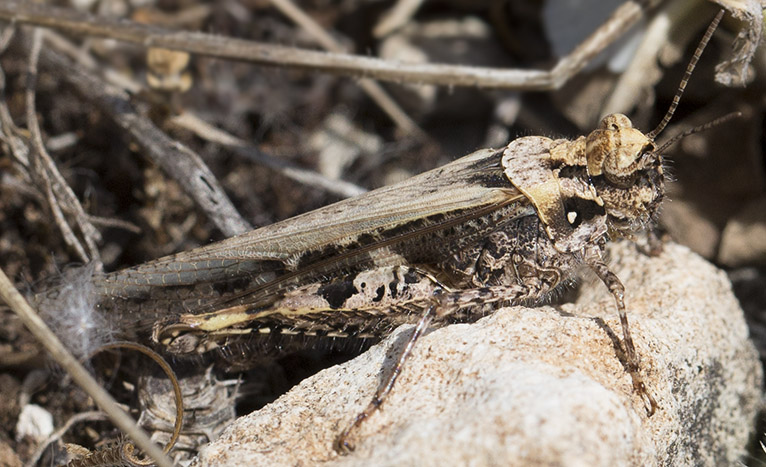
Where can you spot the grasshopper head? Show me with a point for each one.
(626, 169)
(617, 151)
(624, 164)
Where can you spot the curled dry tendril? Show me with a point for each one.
(124, 453)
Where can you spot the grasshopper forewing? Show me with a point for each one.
(384, 228)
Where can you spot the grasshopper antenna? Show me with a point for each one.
(697, 129)
(689, 69)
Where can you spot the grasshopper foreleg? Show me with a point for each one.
(617, 289)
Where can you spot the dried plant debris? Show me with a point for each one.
(737, 71)
(121, 153)
(209, 406)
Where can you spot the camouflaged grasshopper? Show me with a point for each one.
(497, 226)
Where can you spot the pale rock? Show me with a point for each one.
(537, 386)
(683, 220)
(743, 241)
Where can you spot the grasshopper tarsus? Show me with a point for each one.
(654, 245)
(650, 404)
(342, 445)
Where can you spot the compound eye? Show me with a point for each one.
(615, 122)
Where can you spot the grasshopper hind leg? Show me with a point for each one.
(342, 443)
(443, 306)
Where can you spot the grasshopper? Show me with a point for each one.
(497, 226)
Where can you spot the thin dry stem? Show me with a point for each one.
(92, 415)
(6, 35)
(59, 195)
(396, 17)
(345, 64)
(209, 133)
(643, 72)
(374, 90)
(63, 357)
(177, 160)
(310, 178)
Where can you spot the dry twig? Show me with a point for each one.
(374, 90)
(202, 129)
(63, 357)
(396, 17)
(307, 177)
(59, 195)
(345, 64)
(176, 159)
(93, 415)
(644, 72)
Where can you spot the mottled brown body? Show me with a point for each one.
(497, 226)
(523, 221)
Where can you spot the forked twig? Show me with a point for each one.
(59, 195)
(618, 23)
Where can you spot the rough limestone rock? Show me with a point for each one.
(537, 386)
